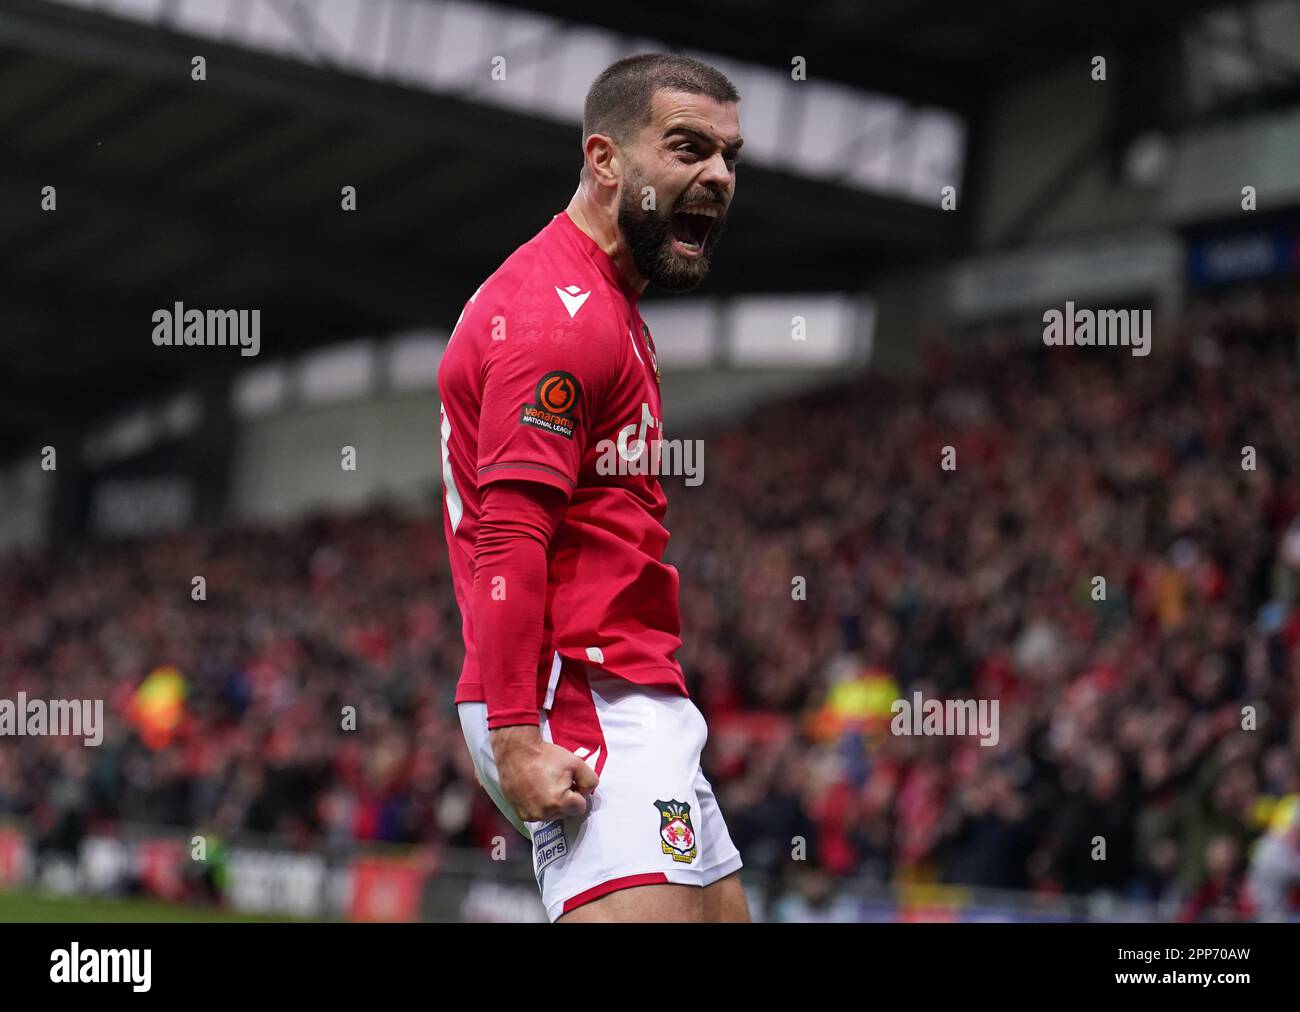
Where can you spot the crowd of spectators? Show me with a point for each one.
(1106, 545)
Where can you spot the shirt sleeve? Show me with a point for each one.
(540, 392)
(509, 596)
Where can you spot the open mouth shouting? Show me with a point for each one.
(673, 244)
(691, 226)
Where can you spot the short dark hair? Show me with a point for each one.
(618, 103)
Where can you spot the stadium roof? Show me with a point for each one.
(950, 52)
(225, 193)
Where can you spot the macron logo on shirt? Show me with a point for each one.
(573, 297)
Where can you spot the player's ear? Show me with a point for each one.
(604, 160)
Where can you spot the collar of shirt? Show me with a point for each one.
(604, 263)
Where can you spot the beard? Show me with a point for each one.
(649, 236)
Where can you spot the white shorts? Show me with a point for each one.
(653, 818)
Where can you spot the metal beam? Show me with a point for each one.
(772, 34)
(363, 275)
(264, 79)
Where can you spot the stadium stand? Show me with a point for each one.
(1115, 708)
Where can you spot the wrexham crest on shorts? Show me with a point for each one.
(676, 834)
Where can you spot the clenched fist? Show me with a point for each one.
(542, 780)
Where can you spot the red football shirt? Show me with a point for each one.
(549, 376)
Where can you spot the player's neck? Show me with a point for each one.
(601, 225)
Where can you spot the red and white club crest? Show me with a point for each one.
(675, 830)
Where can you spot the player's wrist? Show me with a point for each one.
(509, 737)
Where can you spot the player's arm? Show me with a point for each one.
(515, 528)
(542, 386)
(518, 520)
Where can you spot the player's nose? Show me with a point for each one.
(716, 175)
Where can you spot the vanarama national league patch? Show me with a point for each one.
(554, 404)
(676, 834)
